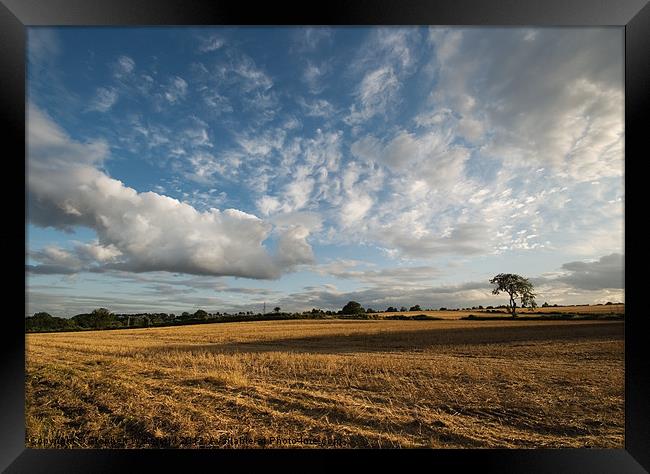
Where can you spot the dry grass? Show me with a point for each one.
(360, 383)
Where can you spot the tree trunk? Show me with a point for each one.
(513, 306)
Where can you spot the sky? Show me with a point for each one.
(173, 169)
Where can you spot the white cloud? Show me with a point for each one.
(97, 252)
(104, 99)
(416, 241)
(150, 231)
(204, 166)
(552, 98)
(219, 103)
(309, 39)
(314, 74)
(294, 174)
(176, 90)
(211, 43)
(261, 144)
(54, 260)
(84, 257)
(377, 91)
(252, 77)
(317, 108)
(431, 155)
(198, 137)
(355, 208)
(385, 60)
(297, 193)
(396, 45)
(123, 66)
(268, 204)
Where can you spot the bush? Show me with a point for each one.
(420, 317)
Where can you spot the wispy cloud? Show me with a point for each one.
(211, 43)
(176, 90)
(123, 66)
(377, 91)
(104, 99)
(309, 39)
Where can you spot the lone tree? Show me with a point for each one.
(276, 309)
(517, 287)
(352, 308)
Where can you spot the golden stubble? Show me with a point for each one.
(439, 384)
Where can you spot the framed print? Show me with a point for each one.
(363, 229)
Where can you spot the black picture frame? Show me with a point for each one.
(633, 15)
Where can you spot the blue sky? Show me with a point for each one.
(171, 169)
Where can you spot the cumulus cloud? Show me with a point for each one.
(150, 231)
(96, 252)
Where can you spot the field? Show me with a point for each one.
(333, 383)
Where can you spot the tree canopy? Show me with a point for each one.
(201, 314)
(352, 308)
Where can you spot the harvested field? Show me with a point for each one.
(333, 383)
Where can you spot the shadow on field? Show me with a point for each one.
(418, 340)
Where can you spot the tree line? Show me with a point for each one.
(102, 318)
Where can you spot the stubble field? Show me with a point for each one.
(310, 383)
